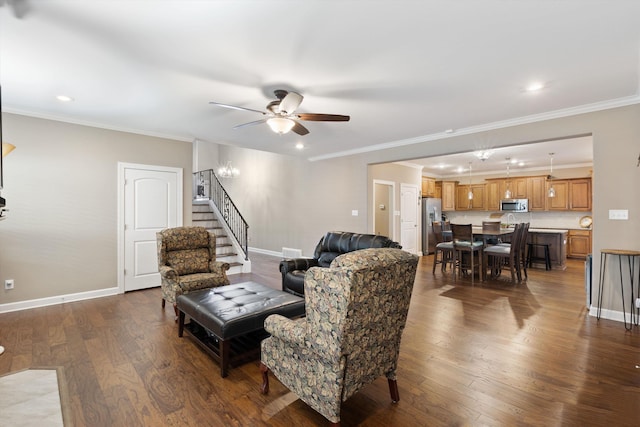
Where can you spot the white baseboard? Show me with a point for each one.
(618, 316)
(59, 299)
(265, 252)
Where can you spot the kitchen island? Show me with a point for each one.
(557, 241)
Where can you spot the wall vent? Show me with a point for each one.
(291, 253)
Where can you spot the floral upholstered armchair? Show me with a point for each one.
(187, 262)
(356, 311)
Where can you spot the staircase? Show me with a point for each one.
(203, 215)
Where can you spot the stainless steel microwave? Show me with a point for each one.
(514, 205)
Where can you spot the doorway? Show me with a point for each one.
(409, 214)
(149, 200)
(383, 208)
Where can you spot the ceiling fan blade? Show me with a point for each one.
(290, 102)
(256, 122)
(234, 107)
(315, 117)
(299, 129)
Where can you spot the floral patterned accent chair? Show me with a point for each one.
(356, 311)
(187, 262)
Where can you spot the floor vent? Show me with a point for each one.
(291, 253)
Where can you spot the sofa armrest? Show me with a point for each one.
(289, 265)
(293, 331)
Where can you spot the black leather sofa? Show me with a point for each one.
(332, 244)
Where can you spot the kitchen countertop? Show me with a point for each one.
(548, 230)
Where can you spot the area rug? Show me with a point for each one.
(34, 397)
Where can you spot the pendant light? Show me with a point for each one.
(552, 191)
(507, 193)
(470, 194)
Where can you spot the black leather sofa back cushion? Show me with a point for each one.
(336, 243)
(332, 245)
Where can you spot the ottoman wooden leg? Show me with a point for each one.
(181, 323)
(225, 350)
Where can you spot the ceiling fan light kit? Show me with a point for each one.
(280, 114)
(280, 125)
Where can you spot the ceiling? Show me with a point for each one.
(405, 71)
(535, 158)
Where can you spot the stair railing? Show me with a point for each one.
(206, 185)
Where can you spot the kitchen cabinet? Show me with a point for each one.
(536, 193)
(494, 189)
(478, 201)
(571, 195)
(448, 195)
(580, 194)
(428, 187)
(518, 187)
(579, 243)
(561, 200)
(438, 190)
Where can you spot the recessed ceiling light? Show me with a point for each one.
(521, 164)
(299, 145)
(64, 98)
(535, 86)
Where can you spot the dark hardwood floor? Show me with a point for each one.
(489, 355)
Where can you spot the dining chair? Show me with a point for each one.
(498, 256)
(443, 248)
(466, 251)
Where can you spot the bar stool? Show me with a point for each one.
(631, 256)
(546, 258)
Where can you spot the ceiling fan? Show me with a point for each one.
(281, 116)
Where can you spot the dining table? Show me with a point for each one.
(489, 233)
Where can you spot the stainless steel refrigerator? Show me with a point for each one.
(431, 211)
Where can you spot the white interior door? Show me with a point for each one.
(152, 201)
(409, 214)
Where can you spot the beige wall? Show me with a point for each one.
(60, 234)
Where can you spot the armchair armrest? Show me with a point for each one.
(289, 265)
(168, 272)
(218, 266)
(292, 331)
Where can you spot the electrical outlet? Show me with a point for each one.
(637, 302)
(8, 284)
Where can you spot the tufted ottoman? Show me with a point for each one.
(228, 321)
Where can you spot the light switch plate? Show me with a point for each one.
(619, 214)
(354, 213)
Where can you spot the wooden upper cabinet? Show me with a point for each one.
(580, 194)
(561, 201)
(495, 189)
(428, 187)
(478, 201)
(438, 190)
(518, 187)
(536, 190)
(449, 195)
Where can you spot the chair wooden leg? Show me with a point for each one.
(175, 310)
(393, 389)
(435, 261)
(163, 302)
(264, 388)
